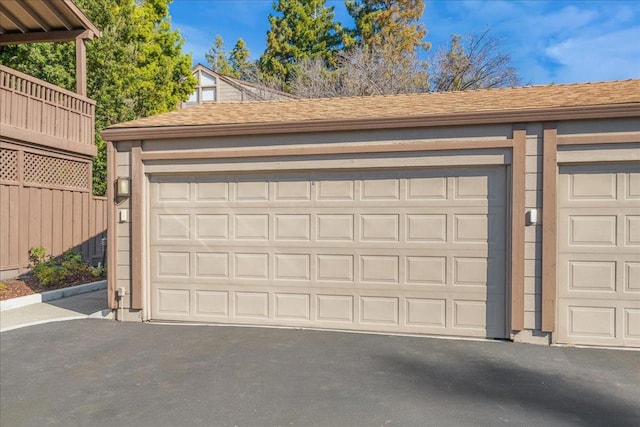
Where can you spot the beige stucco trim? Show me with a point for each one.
(518, 228)
(448, 119)
(630, 153)
(320, 149)
(549, 226)
(279, 164)
(610, 138)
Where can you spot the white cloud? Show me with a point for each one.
(561, 41)
(607, 56)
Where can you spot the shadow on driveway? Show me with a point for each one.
(497, 382)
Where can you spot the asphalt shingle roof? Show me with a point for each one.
(478, 101)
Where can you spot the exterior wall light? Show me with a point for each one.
(123, 189)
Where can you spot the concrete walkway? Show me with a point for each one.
(87, 305)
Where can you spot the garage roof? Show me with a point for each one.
(30, 21)
(521, 104)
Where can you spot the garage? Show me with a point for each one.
(506, 213)
(599, 254)
(401, 250)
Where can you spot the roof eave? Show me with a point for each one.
(432, 120)
(88, 24)
(84, 29)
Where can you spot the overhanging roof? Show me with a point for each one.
(485, 106)
(32, 21)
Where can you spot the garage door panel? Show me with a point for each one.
(380, 189)
(211, 191)
(422, 270)
(632, 230)
(426, 188)
(292, 306)
(481, 186)
(603, 230)
(335, 308)
(592, 186)
(631, 274)
(592, 322)
(591, 230)
(426, 312)
(631, 324)
(419, 251)
(211, 226)
(210, 303)
(212, 265)
(591, 275)
(173, 264)
(251, 304)
(384, 225)
(632, 186)
(598, 254)
(383, 311)
(173, 302)
(292, 227)
(292, 190)
(173, 190)
(173, 227)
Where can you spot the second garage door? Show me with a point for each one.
(406, 251)
(599, 255)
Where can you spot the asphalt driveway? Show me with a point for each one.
(103, 373)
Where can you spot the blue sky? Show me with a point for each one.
(549, 41)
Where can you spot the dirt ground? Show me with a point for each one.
(27, 284)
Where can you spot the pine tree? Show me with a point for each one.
(242, 67)
(303, 29)
(216, 56)
(387, 23)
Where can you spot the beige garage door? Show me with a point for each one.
(599, 255)
(398, 251)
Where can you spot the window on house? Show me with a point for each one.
(208, 85)
(206, 91)
(208, 94)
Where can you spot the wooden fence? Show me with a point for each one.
(34, 105)
(46, 200)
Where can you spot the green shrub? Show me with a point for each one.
(66, 268)
(48, 273)
(37, 255)
(99, 271)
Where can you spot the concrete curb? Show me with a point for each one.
(52, 295)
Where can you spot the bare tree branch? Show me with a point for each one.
(472, 62)
(361, 71)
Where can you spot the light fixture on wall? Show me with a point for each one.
(531, 217)
(123, 188)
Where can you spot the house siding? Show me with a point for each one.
(123, 229)
(533, 242)
(228, 93)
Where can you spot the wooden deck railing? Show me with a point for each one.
(33, 105)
